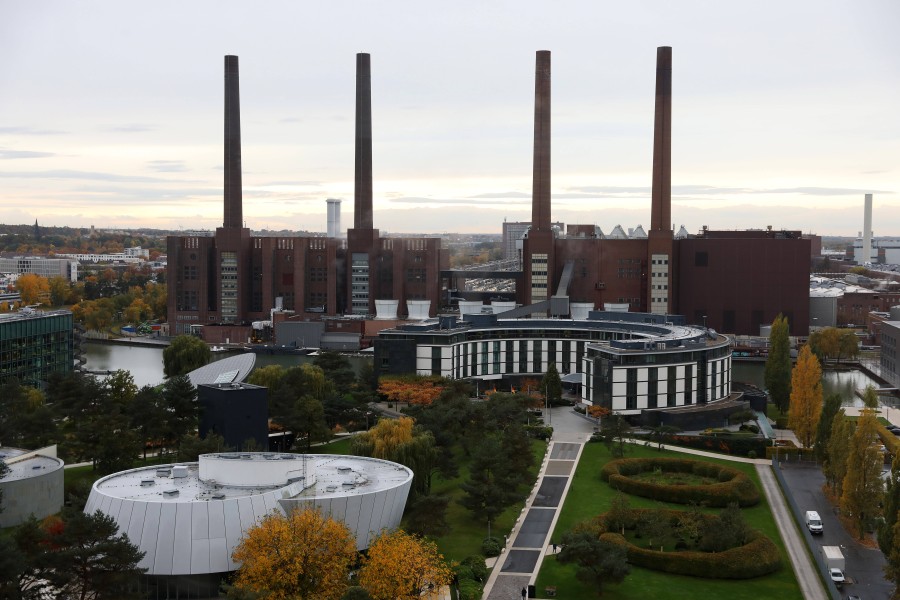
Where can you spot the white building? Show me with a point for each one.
(189, 518)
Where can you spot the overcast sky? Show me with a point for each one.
(784, 113)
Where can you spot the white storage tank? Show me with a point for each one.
(418, 309)
(386, 310)
(581, 310)
(469, 307)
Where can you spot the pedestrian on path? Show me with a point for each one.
(524, 593)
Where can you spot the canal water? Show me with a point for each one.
(844, 383)
(146, 364)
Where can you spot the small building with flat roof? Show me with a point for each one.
(33, 485)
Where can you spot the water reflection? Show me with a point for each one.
(146, 365)
(844, 383)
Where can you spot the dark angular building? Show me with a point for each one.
(236, 411)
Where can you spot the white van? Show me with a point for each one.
(813, 522)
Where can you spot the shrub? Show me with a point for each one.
(751, 454)
(476, 566)
(469, 590)
(724, 442)
(540, 432)
(733, 486)
(758, 557)
(491, 546)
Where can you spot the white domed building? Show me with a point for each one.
(189, 518)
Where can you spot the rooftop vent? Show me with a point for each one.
(331, 488)
(164, 472)
(147, 482)
(343, 469)
(218, 496)
(179, 471)
(170, 494)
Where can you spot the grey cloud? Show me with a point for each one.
(167, 166)
(456, 201)
(502, 195)
(87, 175)
(14, 154)
(30, 131)
(129, 128)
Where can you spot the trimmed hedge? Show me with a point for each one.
(735, 445)
(733, 486)
(756, 558)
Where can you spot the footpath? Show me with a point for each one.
(529, 543)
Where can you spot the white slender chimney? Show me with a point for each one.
(867, 231)
(334, 217)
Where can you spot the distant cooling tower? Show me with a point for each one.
(385, 309)
(418, 309)
(334, 218)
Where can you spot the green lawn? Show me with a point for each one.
(589, 496)
(466, 533)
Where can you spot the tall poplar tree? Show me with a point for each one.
(778, 364)
(835, 466)
(826, 420)
(806, 397)
(863, 487)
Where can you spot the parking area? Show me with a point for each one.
(863, 565)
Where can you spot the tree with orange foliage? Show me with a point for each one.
(33, 288)
(400, 566)
(299, 556)
(806, 396)
(412, 390)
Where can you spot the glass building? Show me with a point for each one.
(35, 344)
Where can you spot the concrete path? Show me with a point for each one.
(529, 541)
(807, 575)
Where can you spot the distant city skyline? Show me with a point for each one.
(783, 115)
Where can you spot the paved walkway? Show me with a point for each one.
(529, 541)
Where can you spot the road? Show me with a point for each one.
(864, 565)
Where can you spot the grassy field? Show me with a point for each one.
(589, 496)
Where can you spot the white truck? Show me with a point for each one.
(833, 557)
(813, 522)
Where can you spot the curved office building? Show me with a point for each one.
(627, 361)
(189, 518)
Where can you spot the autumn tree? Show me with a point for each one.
(299, 556)
(806, 397)
(778, 364)
(59, 288)
(835, 467)
(863, 487)
(398, 440)
(887, 529)
(411, 389)
(400, 566)
(598, 561)
(33, 288)
(185, 354)
(823, 430)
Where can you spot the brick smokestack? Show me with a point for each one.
(540, 202)
(661, 210)
(362, 199)
(233, 200)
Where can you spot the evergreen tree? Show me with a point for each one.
(806, 397)
(184, 354)
(180, 398)
(863, 488)
(490, 489)
(778, 364)
(91, 559)
(552, 385)
(823, 429)
(599, 561)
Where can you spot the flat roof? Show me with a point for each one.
(33, 466)
(335, 476)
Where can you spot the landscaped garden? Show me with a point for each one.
(673, 537)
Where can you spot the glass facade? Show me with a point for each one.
(228, 277)
(34, 346)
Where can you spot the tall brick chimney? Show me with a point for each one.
(540, 202)
(362, 199)
(661, 211)
(233, 200)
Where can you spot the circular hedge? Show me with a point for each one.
(758, 557)
(733, 486)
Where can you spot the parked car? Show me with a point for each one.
(837, 576)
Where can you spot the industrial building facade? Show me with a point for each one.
(731, 281)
